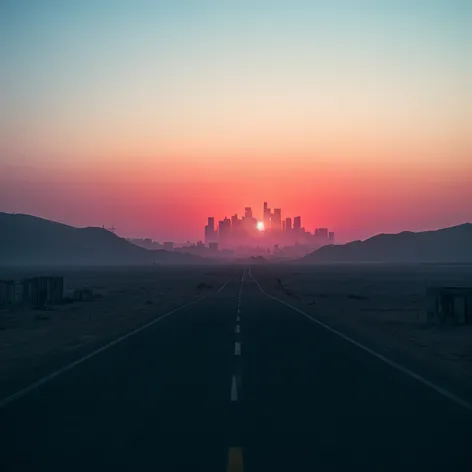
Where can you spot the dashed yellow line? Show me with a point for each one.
(235, 460)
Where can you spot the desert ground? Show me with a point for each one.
(384, 307)
(34, 342)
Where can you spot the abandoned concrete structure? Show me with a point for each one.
(7, 292)
(11, 292)
(452, 305)
(83, 294)
(43, 290)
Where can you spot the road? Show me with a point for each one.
(236, 381)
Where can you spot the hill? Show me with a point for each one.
(447, 245)
(29, 240)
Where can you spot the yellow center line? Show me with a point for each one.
(235, 460)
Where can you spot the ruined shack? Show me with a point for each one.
(41, 291)
(83, 295)
(450, 305)
(7, 292)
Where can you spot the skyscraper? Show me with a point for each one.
(224, 232)
(277, 219)
(248, 212)
(210, 233)
(266, 217)
(236, 229)
(234, 221)
(297, 224)
(288, 224)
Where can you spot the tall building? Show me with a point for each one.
(210, 233)
(288, 224)
(331, 236)
(248, 212)
(277, 219)
(224, 232)
(297, 224)
(236, 229)
(266, 216)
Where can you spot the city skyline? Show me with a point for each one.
(270, 231)
(246, 235)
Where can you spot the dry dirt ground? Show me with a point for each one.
(34, 342)
(383, 307)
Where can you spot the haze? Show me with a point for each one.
(152, 116)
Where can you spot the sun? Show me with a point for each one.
(260, 226)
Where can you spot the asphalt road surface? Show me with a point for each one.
(236, 381)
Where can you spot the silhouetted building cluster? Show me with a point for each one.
(146, 243)
(272, 234)
(248, 236)
(37, 291)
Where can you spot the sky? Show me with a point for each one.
(153, 115)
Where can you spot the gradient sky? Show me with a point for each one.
(151, 116)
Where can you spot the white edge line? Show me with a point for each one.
(234, 390)
(391, 363)
(21, 393)
(224, 285)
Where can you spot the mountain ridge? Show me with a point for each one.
(31, 240)
(451, 244)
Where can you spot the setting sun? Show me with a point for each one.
(260, 225)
